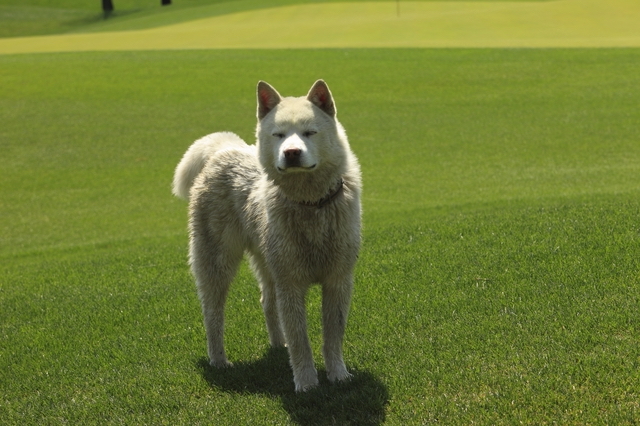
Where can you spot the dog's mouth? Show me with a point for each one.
(294, 169)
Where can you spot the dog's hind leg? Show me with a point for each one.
(214, 267)
(336, 297)
(268, 301)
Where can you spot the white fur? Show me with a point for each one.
(262, 200)
(195, 158)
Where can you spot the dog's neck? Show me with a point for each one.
(327, 198)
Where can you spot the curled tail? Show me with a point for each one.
(197, 156)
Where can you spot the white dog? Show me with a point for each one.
(292, 203)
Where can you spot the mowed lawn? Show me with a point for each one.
(498, 281)
(331, 24)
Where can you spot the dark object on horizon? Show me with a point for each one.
(166, 2)
(107, 6)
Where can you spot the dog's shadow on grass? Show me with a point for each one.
(358, 401)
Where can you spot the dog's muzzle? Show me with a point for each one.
(292, 160)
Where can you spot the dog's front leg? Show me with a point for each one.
(336, 298)
(293, 317)
(268, 300)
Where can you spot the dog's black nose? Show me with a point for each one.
(292, 153)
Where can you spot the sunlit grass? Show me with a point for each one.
(499, 274)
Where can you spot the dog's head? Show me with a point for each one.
(298, 135)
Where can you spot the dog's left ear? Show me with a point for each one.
(320, 96)
(268, 98)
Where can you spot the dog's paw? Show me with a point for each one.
(308, 387)
(339, 375)
(221, 363)
(306, 381)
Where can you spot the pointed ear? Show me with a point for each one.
(320, 96)
(268, 98)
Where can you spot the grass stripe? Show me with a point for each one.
(563, 23)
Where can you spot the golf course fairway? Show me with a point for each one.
(562, 23)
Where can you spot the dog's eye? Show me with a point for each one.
(309, 133)
(278, 135)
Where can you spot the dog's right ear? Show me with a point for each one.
(268, 98)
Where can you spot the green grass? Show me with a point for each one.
(498, 281)
(38, 17)
(381, 24)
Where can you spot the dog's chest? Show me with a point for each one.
(312, 243)
(315, 233)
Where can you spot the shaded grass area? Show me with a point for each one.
(41, 17)
(30, 20)
(498, 281)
